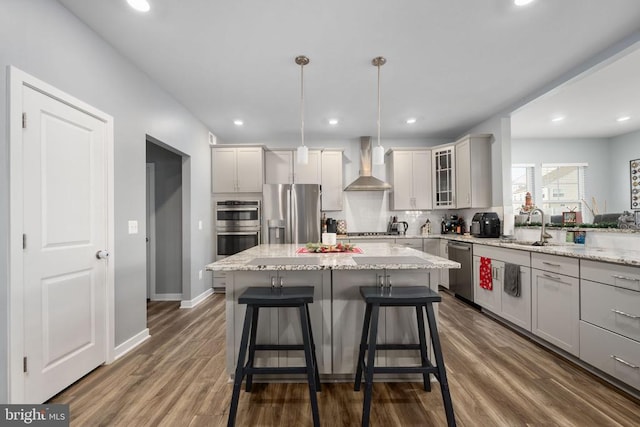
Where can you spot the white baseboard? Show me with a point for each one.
(197, 300)
(131, 343)
(166, 297)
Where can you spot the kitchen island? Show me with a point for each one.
(338, 310)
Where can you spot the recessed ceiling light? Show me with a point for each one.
(623, 118)
(139, 5)
(522, 2)
(411, 120)
(558, 119)
(333, 122)
(238, 122)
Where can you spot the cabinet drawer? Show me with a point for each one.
(612, 308)
(410, 243)
(611, 353)
(512, 256)
(624, 276)
(557, 264)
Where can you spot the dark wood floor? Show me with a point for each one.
(497, 378)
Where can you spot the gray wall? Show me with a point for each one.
(594, 151)
(168, 213)
(622, 149)
(43, 39)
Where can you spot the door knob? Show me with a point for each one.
(102, 254)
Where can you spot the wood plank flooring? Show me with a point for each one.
(497, 378)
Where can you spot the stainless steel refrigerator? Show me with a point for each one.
(290, 213)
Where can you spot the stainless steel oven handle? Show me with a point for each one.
(238, 233)
(247, 208)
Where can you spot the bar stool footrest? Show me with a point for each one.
(275, 370)
(393, 346)
(283, 347)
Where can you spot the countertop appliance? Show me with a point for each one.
(332, 225)
(237, 226)
(461, 280)
(291, 213)
(485, 224)
(449, 225)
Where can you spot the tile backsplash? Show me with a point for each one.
(369, 211)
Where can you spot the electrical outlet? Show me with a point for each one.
(200, 225)
(133, 227)
(200, 274)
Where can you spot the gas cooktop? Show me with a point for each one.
(372, 233)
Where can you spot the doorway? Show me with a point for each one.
(164, 222)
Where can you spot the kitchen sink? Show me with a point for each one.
(365, 260)
(285, 261)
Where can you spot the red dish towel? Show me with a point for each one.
(485, 273)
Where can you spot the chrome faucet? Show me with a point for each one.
(543, 234)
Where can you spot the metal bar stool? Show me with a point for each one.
(256, 298)
(410, 296)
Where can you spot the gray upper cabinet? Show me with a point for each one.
(281, 168)
(473, 172)
(410, 176)
(236, 169)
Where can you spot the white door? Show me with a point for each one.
(65, 224)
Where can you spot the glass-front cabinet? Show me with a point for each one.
(444, 177)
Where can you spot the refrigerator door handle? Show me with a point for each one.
(289, 218)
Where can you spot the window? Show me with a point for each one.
(562, 187)
(521, 184)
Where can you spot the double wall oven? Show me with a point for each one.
(237, 226)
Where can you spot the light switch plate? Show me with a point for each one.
(200, 225)
(133, 227)
(200, 274)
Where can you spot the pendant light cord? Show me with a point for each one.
(302, 103)
(379, 104)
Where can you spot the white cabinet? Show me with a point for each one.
(236, 169)
(555, 307)
(281, 168)
(610, 319)
(515, 309)
(331, 180)
(473, 172)
(444, 177)
(309, 173)
(396, 324)
(282, 325)
(278, 167)
(444, 253)
(410, 176)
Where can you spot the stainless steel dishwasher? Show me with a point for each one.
(461, 280)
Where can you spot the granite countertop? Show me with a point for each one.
(625, 256)
(618, 255)
(285, 257)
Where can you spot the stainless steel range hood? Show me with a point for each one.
(366, 182)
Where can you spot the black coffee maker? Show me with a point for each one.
(332, 225)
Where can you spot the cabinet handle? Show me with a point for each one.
(624, 362)
(551, 264)
(281, 282)
(622, 313)
(631, 279)
(273, 282)
(557, 279)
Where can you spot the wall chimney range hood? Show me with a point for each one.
(366, 182)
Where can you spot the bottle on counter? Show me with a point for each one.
(443, 226)
(323, 223)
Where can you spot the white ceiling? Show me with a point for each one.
(451, 64)
(589, 104)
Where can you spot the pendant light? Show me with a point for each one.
(303, 152)
(378, 151)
